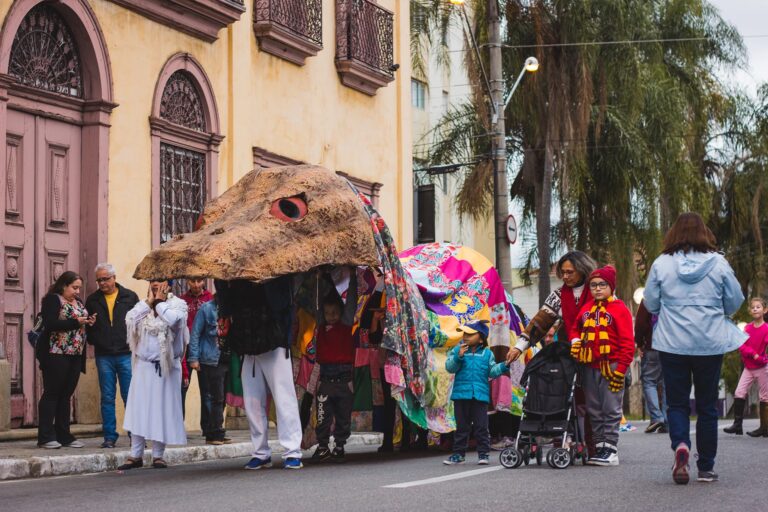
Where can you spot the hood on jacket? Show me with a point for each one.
(693, 266)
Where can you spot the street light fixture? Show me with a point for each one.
(531, 65)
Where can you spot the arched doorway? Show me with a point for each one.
(55, 101)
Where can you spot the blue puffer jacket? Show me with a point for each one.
(203, 340)
(473, 370)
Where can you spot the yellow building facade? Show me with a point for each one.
(146, 108)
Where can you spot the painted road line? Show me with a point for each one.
(445, 478)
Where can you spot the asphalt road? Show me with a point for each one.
(641, 483)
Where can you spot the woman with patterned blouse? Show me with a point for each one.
(61, 352)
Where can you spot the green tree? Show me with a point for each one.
(618, 135)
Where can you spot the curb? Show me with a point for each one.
(38, 467)
(25, 434)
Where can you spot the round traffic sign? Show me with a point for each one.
(511, 229)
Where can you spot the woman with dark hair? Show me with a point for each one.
(563, 303)
(693, 289)
(61, 352)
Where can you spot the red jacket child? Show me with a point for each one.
(604, 329)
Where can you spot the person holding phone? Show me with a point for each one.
(61, 352)
(157, 335)
(110, 304)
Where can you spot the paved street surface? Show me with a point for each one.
(641, 483)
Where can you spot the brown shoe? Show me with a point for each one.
(159, 463)
(215, 442)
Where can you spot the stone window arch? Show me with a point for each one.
(185, 144)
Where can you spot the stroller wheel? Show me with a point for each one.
(559, 458)
(527, 455)
(539, 456)
(511, 458)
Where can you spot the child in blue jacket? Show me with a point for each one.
(473, 363)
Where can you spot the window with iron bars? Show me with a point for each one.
(182, 194)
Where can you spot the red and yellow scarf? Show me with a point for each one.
(596, 328)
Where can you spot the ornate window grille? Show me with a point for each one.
(302, 17)
(44, 54)
(182, 190)
(181, 103)
(364, 44)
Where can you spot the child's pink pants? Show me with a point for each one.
(748, 377)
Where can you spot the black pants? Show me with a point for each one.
(504, 424)
(471, 417)
(334, 402)
(204, 406)
(213, 380)
(60, 376)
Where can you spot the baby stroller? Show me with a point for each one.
(548, 411)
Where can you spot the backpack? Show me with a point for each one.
(34, 334)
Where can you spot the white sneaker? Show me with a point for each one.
(50, 445)
(74, 444)
(608, 455)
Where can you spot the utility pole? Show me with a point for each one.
(499, 148)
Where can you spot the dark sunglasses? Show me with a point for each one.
(104, 279)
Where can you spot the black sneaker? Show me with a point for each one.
(654, 427)
(338, 454)
(663, 429)
(108, 443)
(599, 458)
(707, 476)
(322, 453)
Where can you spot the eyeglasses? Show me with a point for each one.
(104, 279)
(601, 284)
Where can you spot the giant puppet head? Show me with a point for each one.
(290, 220)
(272, 222)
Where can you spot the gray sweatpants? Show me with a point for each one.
(604, 407)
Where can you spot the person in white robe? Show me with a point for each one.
(157, 336)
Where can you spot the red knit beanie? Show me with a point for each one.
(608, 273)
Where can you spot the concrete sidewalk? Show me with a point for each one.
(23, 459)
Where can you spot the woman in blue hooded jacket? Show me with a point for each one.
(693, 290)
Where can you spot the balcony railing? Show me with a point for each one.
(364, 45)
(290, 29)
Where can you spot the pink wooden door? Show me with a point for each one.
(41, 236)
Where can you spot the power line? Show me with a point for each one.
(609, 43)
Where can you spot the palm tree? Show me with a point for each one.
(617, 135)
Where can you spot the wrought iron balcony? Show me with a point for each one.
(290, 29)
(364, 45)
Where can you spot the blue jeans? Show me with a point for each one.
(650, 368)
(111, 369)
(705, 370)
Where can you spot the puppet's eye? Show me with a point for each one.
(289, 209)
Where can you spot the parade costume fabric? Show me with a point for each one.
(246, 238)
(157, 343)
(460, 286)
